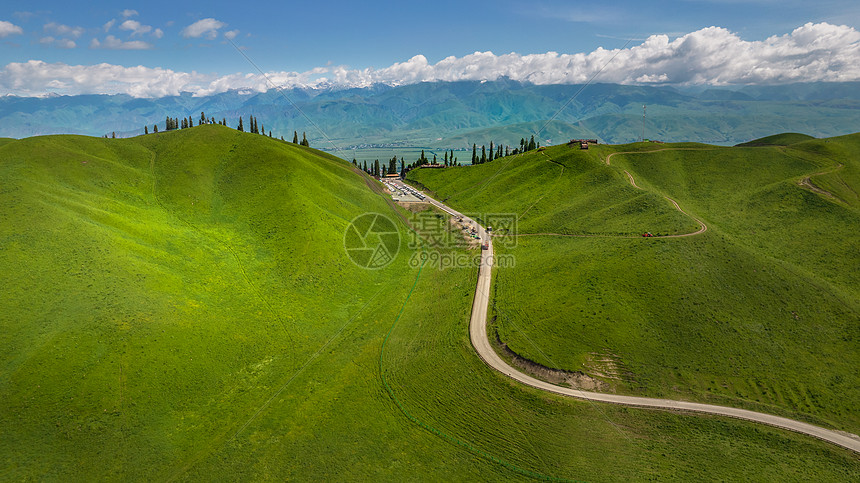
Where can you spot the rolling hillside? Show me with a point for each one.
(180, 306)
(760, 311)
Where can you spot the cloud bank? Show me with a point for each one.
(710, 56)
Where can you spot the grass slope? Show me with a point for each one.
(179, 306)
(783, 139)
(559, 190)
(756, 312)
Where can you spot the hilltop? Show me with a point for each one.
(783, 139)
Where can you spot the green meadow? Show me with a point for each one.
(180, 306)
(760, 311)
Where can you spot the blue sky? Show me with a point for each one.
(299, 36)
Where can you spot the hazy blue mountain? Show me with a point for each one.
(457, 114)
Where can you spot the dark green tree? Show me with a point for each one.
(113, 135)
(240, 128)
(474, 154)
(305, 140)
(296, 140)
(146, 129)
(532, 143)
(491, 152)
(392, 165)
(365, 166)
(483, 155)
(155, 128)
(202, 118)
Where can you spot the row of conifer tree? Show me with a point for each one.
(172, 123)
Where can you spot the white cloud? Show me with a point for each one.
(8, 28)
(717, 56)
(135, 27)
(109, 24)
(37, 77)
(61, 43)
(231, 34)
(714, 56)
(208, 28)
(128, 13)
(63, 30)
(111, 42)
(158, 33)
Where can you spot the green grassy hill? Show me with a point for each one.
(162, 287)
(179, 306)
(783, 139)
(760, 311)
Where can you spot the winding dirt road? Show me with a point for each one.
(482, 345)
(808, 184)
(702, 226)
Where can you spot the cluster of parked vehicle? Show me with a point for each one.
(403, 189)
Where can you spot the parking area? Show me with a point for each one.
(403, 193)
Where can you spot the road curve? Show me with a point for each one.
(481, 343)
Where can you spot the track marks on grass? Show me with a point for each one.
(807, 183)
(560, 174)
(221, 242)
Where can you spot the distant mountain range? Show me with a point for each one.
(457, 114)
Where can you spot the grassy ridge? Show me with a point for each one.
(753, 313)
(172, 306)
(783, 139)
(559, 190)
(180, 306)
